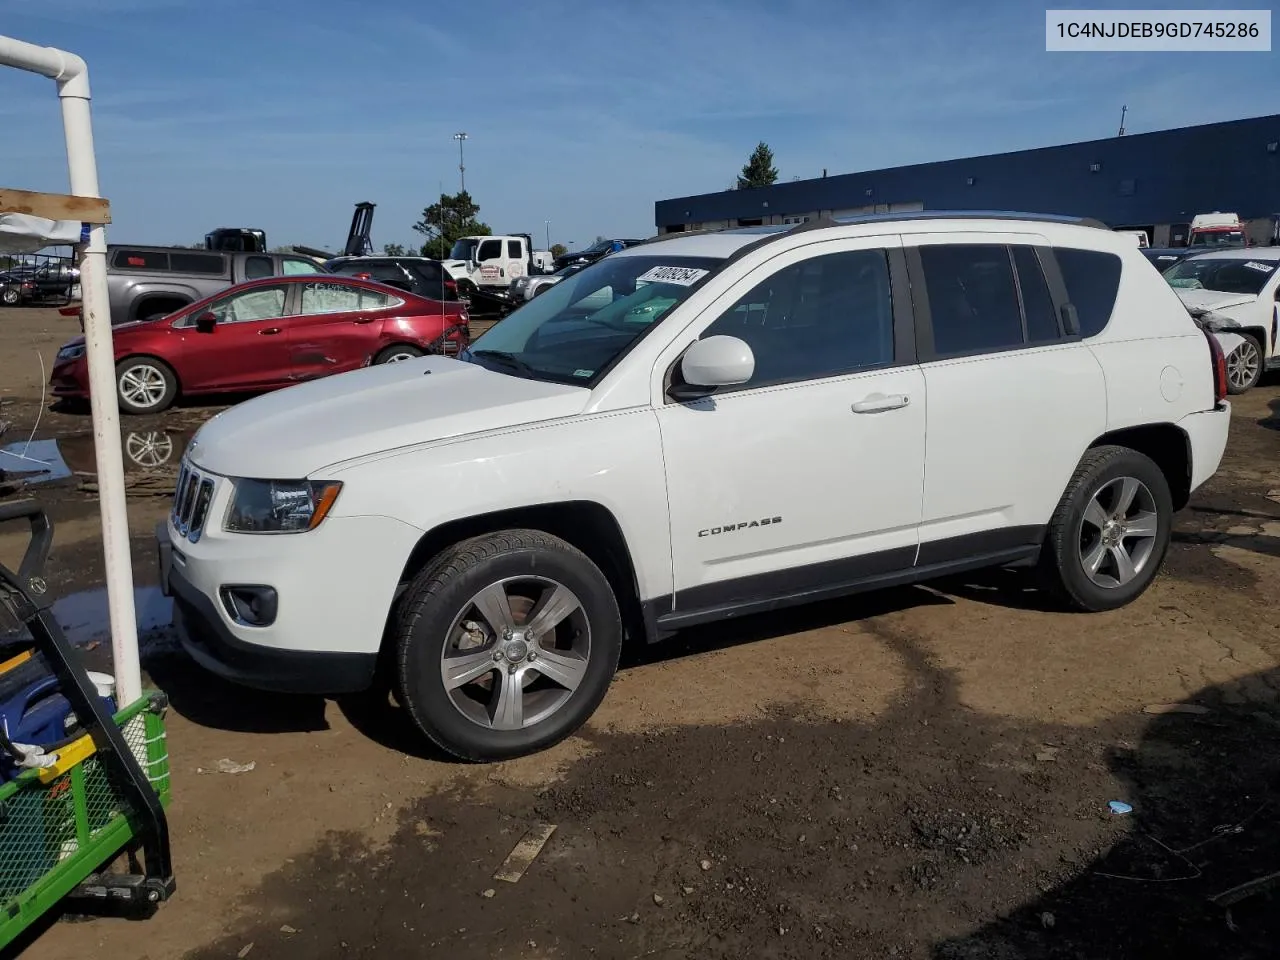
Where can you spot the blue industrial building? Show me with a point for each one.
(1153, 181)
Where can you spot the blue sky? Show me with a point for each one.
(282, 114)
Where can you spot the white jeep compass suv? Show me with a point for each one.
(697, 427)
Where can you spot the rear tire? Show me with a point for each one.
(145, 385)
(1244, 365)
(10, 297)
(1108, 536)
(527, 629)
(397, 353)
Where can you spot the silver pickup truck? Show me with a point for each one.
(148, 282)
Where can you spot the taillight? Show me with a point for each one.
(451, 286)
(1219, 361)
(69, 311)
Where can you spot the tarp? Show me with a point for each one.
(23, 233)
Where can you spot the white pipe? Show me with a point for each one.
(72, 76)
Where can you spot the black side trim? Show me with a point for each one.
(904, 321)
(986, 543)
(837, 578)
(204, 636)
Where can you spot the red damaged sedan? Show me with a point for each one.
(266, 334)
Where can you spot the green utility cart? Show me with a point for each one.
(63, 825)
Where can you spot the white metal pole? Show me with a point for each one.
(72, 76)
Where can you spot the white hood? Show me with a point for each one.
(1213, 299)
(292, 433)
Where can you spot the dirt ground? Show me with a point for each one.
(922, 773)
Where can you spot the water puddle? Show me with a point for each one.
(145, 452)
(83, 616)
(35, 461)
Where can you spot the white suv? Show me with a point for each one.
(697, 427)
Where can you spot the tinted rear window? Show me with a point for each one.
(1092, 280)
(209, 263)
(140, 260)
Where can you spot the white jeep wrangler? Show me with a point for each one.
(697, 427)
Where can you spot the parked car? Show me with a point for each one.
(591, 254)
(420, 275)
(1243, 286)
(37, 283)
(144, 283)
(1162, 258)
(620, 458)
(265, 334)
(526, 288)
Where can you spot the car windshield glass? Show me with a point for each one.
(576, 330)
(464, 249)
(1219, 238)
(1225, 275)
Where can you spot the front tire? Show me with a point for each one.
(10, 297)
(505, 644)
(1244, 365)
(145, 385)
(1109, 534)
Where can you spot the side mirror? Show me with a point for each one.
(714, 362)
(205, 322)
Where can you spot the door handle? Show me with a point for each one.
(269, 332)
(363, 320)
(878, 403)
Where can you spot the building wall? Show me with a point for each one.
(1149, 180)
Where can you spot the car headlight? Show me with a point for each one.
(71, 352)
(280, 506)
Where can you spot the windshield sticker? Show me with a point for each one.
(583, 373)
(680, 276)
(1264, 267)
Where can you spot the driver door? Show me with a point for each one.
(247, 347)
(809, 477)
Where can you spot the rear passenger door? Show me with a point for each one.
(337, 327)
(1014, 398)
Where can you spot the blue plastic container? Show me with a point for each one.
(33, 711)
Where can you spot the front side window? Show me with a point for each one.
(489, 250)
(1243, 275)
(260, 303)
(576, 330)
(972, 298)
(822, 317)
(255, 268)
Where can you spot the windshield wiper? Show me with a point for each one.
(508, 360)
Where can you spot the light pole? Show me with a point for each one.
(547, 224)
(462, 169)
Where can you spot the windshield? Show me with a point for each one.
(1233, 275)
(575, 331)
(464, 249)
(1218, 238)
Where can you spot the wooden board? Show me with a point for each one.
(55, 206)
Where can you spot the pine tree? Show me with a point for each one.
(759, 170)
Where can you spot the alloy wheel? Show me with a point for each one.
(516, 652)
(1243, 365)
(143, 385)
(1118, 532)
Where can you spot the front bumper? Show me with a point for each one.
(329, 604)
(70, 378)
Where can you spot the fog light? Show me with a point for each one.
(251, 606)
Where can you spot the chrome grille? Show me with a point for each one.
(200, 512)
(191, 500)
